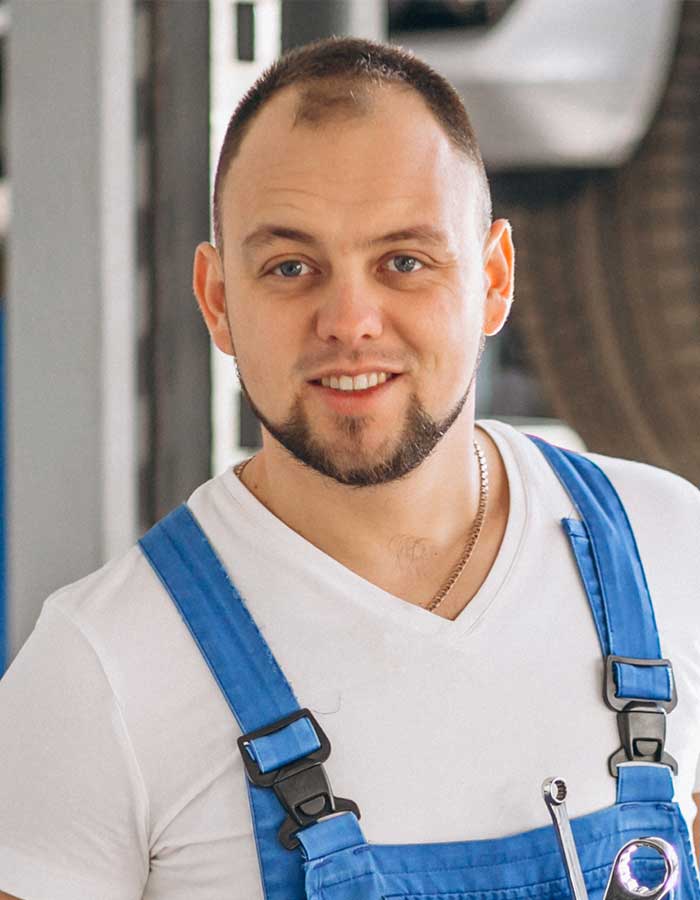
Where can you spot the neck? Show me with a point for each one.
(403, 536)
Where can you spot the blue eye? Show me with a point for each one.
(405, 264)
(291, 268)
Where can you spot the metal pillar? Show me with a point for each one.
(72, 499)
(175, 361)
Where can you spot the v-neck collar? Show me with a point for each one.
(300, 552)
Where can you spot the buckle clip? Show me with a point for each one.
(301, 786)
(641, 722)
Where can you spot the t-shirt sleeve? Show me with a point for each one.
(73, 808)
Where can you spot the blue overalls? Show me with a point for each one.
(310, 844)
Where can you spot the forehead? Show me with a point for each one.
(367, 162)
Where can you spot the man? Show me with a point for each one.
(405, 565)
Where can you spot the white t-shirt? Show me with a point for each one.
(119, 772)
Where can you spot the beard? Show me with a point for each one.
(419, 436)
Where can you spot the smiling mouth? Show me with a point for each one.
(347, 384)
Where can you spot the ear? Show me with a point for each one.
(499, 258)
(208, 285)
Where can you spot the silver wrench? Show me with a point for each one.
(624, 886)
(554, 791)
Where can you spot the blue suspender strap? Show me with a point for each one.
(638, 684)
(280, 741)
(241, 662)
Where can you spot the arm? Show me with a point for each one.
(696, 829)
(66, 779)
(7, 896)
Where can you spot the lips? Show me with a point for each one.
(353, 398)
(356, 382)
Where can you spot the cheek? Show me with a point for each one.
(457, 315)
(456, 333)
(267, 350)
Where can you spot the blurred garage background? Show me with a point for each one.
(588, 114)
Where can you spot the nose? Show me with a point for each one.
(349, 312)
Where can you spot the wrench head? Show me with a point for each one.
(624, 886)
(554, 791)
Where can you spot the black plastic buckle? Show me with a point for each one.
(302, 786)
(640, 721)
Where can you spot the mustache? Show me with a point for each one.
(355, 359)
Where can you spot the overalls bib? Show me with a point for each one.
(310, 844)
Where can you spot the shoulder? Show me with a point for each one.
(106, 604)
(133, 629)
(132, 638)
(125, 598)
(664, 512)
(651, 492)
(644, 489)
(116, 625)
(662, 507)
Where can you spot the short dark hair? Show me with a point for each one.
(343, 63)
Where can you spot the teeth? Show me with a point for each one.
(358, 383)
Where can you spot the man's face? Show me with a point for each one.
(352, 248)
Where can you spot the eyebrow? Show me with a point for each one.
(267, 234)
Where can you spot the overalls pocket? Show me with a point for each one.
(527, 866)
